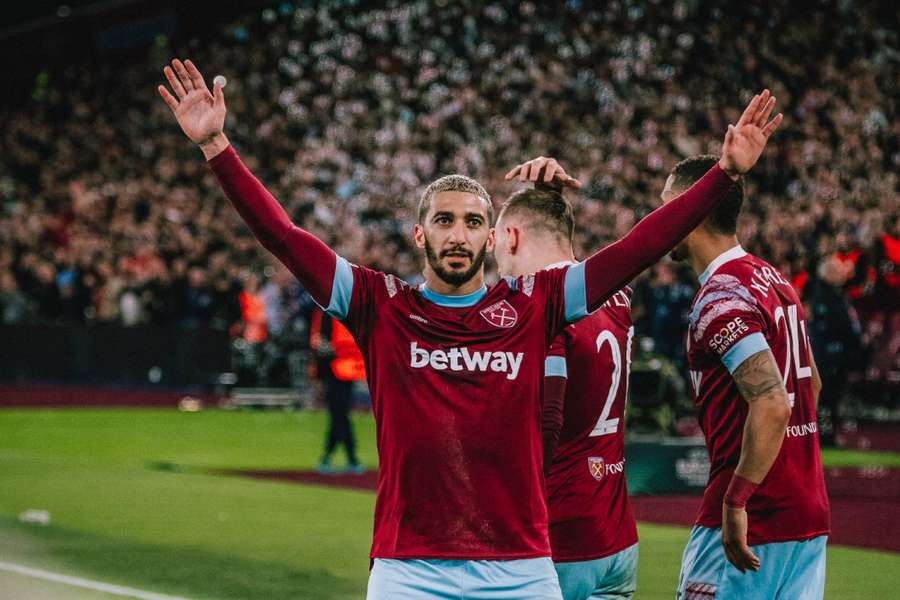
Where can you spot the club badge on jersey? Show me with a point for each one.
(597, 467)
(500, 314)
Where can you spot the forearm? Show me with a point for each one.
(310, 260)
(764, 433)
(816, 379)
(612, 267)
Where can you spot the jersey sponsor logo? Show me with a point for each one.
(720, 295)
(463, 359)
(802, 430)
(500, 314)
(599, 469)
(418, 318)
(727, 335)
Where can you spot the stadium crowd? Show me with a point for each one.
(346, 112)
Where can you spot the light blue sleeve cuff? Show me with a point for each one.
(341, 290)
(575, 294)
(555, 366)
(744, 349)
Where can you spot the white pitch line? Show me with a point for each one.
(117, 590)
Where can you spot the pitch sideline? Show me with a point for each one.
(99, 586)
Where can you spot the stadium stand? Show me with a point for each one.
(347, 112)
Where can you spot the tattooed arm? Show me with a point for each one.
(760, 383)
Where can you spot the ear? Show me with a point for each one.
(512, 234)
(491, 239)
(419, 235)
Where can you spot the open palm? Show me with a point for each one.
(745, 141)
(200, 114)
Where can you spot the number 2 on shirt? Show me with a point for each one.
(605, 425)
(793, 329)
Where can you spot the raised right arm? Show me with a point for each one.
(313, 263)
(201, 114)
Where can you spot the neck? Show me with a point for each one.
(438, 285)
(532, 262)
(708, 248)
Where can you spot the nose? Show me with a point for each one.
(457, 234)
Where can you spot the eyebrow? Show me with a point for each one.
(468, 215)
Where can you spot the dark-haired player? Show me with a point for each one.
(455, 368)
(593, 535)
(764, 520)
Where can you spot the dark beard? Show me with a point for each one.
(678, 253)
(454, 278)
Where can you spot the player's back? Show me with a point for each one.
(589, 511)
(744, 304)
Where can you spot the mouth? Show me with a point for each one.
(457, 255)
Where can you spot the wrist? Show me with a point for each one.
(739, 491)
(729, 170)
(214, 145)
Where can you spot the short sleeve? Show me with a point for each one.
(726, 322)
(555, 362)
(357, 293)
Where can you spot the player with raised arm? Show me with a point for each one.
(454, 367)
(763, 524)
(593, 535)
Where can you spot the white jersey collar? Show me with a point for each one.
(561, 264)
(727, 256)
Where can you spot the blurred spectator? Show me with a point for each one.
(835, 338)
(664, 302)
(13, 303)
(253, 311)
(339, 364)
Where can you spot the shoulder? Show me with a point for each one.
(534, 284)
(724, 295)
(618, 308)
(377, 284)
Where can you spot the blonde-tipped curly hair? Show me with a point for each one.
(454, 183)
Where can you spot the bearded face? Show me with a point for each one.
(456, 236)
(455, 265)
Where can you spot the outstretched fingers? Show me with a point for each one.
(196, 77)
(773, 125)
(183, 75)
(173, 80)
(764, 112)
(749, 112)
(169, 98)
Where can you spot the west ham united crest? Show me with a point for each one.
(500, 314)
(597, 467)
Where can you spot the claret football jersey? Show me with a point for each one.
(589, 511)
(745, 305)
(456, 389)
(456, 381)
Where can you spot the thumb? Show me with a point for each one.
(729, 135)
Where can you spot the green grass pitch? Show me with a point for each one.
(117, 520)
